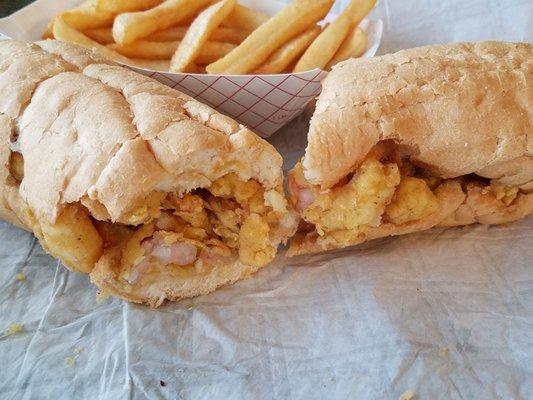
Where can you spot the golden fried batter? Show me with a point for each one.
(413, 200)
(506, 194)
(230, 216)
(72, 238)
(361, 201)
(254, 244)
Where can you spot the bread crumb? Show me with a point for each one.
(407, 395)
(13, 329)
(70, 361)
(100, 297)
(20, 277)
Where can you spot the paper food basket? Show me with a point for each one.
(264, 103)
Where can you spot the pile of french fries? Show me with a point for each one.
(215, 36)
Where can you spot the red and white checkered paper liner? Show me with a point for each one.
(262, 102)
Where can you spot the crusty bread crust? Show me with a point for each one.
(9, 197)
(99, 131)
(76, 55)
(106, 138)
(457, 109)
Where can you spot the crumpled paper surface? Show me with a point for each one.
(447, 314)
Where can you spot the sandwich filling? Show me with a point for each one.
(203, 229)
(170, 235)
(386, 189)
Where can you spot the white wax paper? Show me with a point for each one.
(447, 314)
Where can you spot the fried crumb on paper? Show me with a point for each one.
(71, 361)
(407, 395)
(101, 297)
(13, 329)
(20, 277)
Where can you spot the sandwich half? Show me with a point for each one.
(154, 194)
(431, 136)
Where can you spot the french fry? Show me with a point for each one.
(101, 35)
(87, 16)
(156, 65)
(144, 49)
(229, 35)
(245, 18)
(66, 33)
(169, 34)
(129, 27)
(121, 6)
(357, 10)
(105, 35)
(325, 45)
(221, 34)
(63, 31)
(193, 68)
(289, 68)
(288, 53)
(199, 33)
(48, 33)
(352, 47)
(292, 20)
(323, 49)
(188, 21)
(213, 51)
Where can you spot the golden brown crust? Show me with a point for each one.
(459, 109)
(515, 172)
